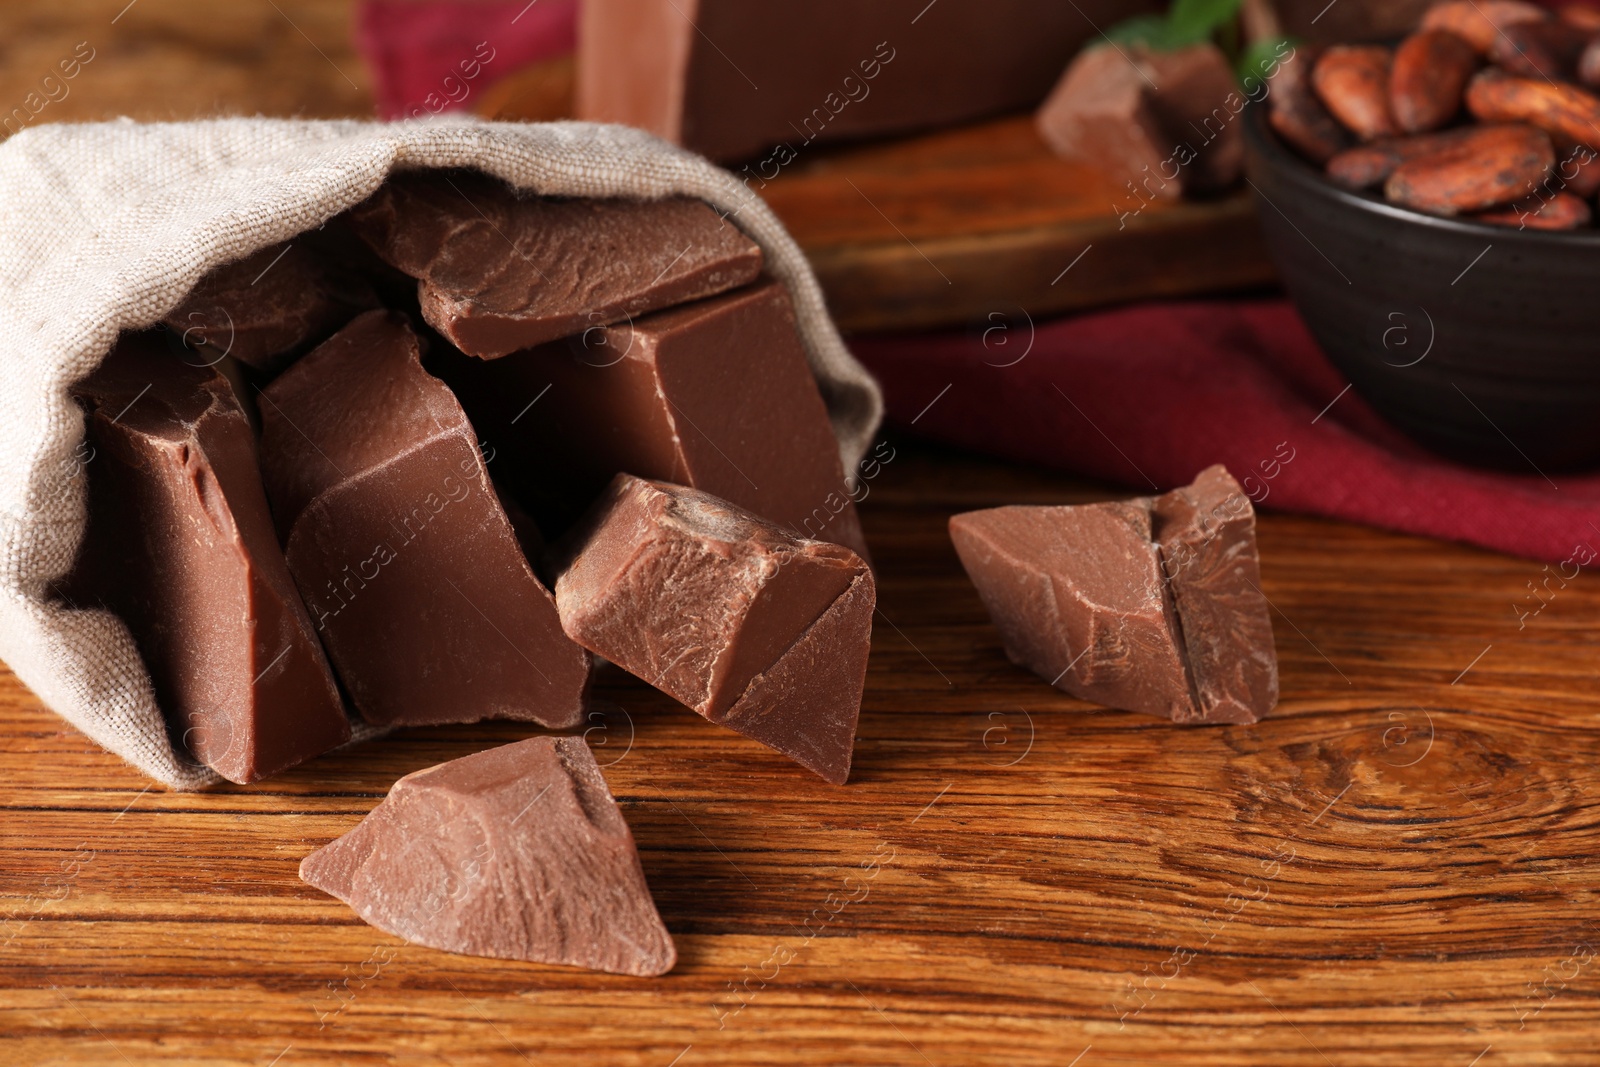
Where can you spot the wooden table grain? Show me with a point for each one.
(1397, 867)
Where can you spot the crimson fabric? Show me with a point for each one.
(1148, 396)
(415, 49)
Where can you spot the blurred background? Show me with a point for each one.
(958, 177)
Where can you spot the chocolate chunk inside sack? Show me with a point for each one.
(266, 308)
(715, 395)
(752, 627)
(181, 547)
(1150, 605)
(414, 576)
(516, 853)
(498, 272)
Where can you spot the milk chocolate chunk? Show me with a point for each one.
(180, 546)
(498, 272)
(753, 628)
(516, 853)
(263, 309)
(411, 570)
(1148, 605)
(1079, 598)
(1161, 120)
(716, 395)
(1207, 536)
(729, 78)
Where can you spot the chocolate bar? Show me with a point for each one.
(498, 272)
(1165, 121)
(1151, 605)
(180, 546)
(753, 628)
(516, 853)
(267, 307)
(412, 572)
(716, 395)
(729, 78)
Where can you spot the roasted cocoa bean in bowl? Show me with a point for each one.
(1479, 341)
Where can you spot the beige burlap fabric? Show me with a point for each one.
(106, 227)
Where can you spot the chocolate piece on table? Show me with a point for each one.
(1147, 605)
(753, 628)
(1207, 536)
(826, 69)
(716, 395)
(409, 566)
(498, 272)
(1161, 120)
(263, 309)
(519, 853)
(180, 546)
(1080, 599)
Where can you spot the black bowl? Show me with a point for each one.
(1479, 342)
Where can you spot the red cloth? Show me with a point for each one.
(1147, 396)
(416, 50)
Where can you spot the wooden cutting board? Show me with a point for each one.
(953, 227)
(950, 228)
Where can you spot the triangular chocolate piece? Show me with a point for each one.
(807, 703)
(519, 853)
(749, 625)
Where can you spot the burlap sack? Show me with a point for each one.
(106, 227)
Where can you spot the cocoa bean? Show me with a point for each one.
(1540, 49)
(1430, 72)
(1493, 166)
(1352, 81)
(1367, 166)
(1570, 115)
(1479, 22)
(1589, 65)
(1578, 172)
(1582, 16)
(1561, 211)
(1295, 113)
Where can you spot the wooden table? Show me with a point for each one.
(1397, 867)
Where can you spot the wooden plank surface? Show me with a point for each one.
(1397, 867)
(946, 228)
